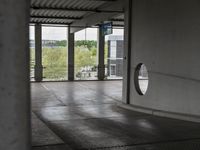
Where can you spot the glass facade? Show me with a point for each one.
(86, 54)
(54, 53)
(32, 52)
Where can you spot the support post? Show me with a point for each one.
(15, 118)
(70, 55)
(101, 45)
(127, 52)
(38, 53)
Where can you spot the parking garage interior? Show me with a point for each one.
(99, 74)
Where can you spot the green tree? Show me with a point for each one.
(87, 43)
(84, 57)
(55, 62)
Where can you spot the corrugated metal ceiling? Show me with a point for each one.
(79, 4)
(65, 11)
(57, 13)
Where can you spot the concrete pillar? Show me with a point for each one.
(70, 55)
(38, 53)
(127, 52)
(101, 44)
(14, 75)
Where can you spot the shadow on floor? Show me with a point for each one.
(83, 115)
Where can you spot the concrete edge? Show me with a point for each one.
(160, 113)
(43, 81)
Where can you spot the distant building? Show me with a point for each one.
(115, 55)
(32, 43)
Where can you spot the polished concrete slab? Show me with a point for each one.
(42, 135)
(84, 115)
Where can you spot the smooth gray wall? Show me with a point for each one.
(166, 38)
(15, 130)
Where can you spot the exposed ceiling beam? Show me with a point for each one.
(103, 0)
(76, 9)
(48, 22)
(118, 20)
(61, 24)
(114, 25)
(118, 25)
(55, 17)
(67, 18)
(97, 18)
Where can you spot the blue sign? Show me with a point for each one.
(107, 28)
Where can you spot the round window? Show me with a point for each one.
(141, 79)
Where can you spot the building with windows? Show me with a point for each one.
(115, 55)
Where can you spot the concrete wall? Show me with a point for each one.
(15, 130)
(166, 38)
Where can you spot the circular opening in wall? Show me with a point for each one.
(141, 79)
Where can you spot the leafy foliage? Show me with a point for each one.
(84, 57)
(54, 59)
(55, 63)
(62, 43)
(87, 43)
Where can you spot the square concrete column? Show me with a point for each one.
(101, 45)
(70, 55)
(127, 51)
(38, 53)
(15, 129)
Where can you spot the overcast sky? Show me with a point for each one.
(60, 33)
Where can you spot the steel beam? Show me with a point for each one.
(96, 18)
(117, 20)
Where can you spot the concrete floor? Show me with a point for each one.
(84, 115)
